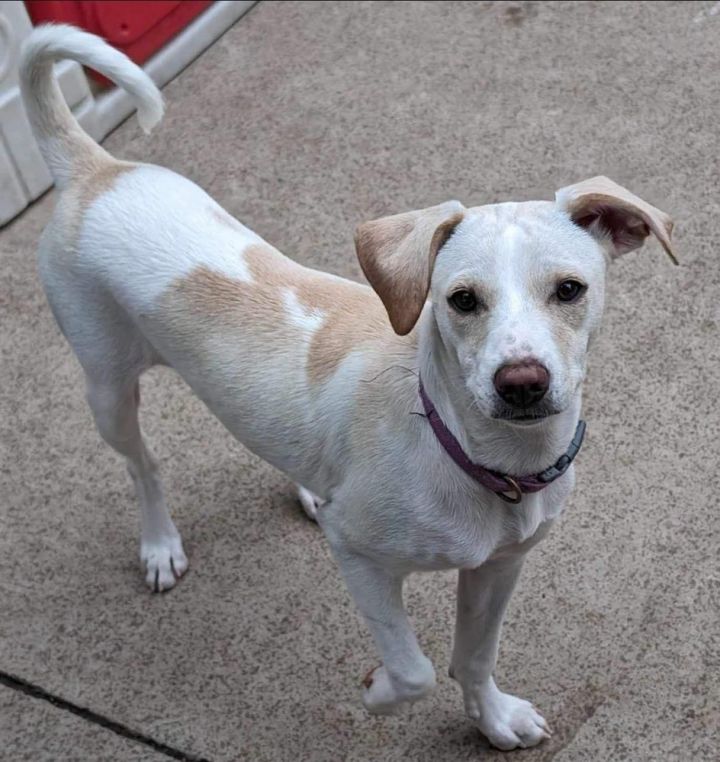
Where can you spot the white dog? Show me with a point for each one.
(440, 438)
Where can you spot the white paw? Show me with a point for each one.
(165, 562)
(509, 722)
(380, 696)
(311, 503)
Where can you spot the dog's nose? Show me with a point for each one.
(522, 384)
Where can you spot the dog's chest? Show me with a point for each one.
(492, 525)
(474, 526)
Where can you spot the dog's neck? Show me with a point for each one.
(492, 443)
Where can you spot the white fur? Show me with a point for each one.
(307, 320)
(388, 498)
(56, 130)
(175, 240)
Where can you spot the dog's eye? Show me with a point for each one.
(570, 290)
(463, 300)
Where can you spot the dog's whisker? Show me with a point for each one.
(385, 370)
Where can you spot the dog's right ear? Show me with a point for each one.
(397, 255)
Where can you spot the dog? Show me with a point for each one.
(430, 421)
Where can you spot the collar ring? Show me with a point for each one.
(515, 491)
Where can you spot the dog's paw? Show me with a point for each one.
(311, 503)
(382, 696)
(164, 562)
(378, 696)
(509, 722)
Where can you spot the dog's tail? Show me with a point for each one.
(63, 142)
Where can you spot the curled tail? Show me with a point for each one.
(65, 146)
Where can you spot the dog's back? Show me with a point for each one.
(142, 267)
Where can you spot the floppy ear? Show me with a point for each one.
(397, 255)
(609, 211)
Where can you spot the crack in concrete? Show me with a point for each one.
(35, 691)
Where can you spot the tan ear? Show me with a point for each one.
(608, 210)
(397, 255)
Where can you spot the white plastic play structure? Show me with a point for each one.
(23, 174)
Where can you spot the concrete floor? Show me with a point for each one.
(303, 120)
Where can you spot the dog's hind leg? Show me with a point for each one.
(113, 354)
(115, 408)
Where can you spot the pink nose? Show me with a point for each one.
(522, 384)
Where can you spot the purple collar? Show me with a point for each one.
(509, 488)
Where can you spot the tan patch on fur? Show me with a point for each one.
(564, 327)
(225, 218)
(101, 180)
(353, 316)
(565, 320)
(255, 309)
(96, 176)
(208, 293)
(269, 268)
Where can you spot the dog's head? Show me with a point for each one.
(517, 290)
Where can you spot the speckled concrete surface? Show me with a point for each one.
(304, 119)
(35, 731)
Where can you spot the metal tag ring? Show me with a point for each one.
(515, 496)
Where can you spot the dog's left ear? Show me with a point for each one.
(397, 255)
(613, 214)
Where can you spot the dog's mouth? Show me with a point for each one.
(525, 417)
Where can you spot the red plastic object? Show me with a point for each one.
(138, 28)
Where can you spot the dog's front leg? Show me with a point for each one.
(483, 594)
(406, 674)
